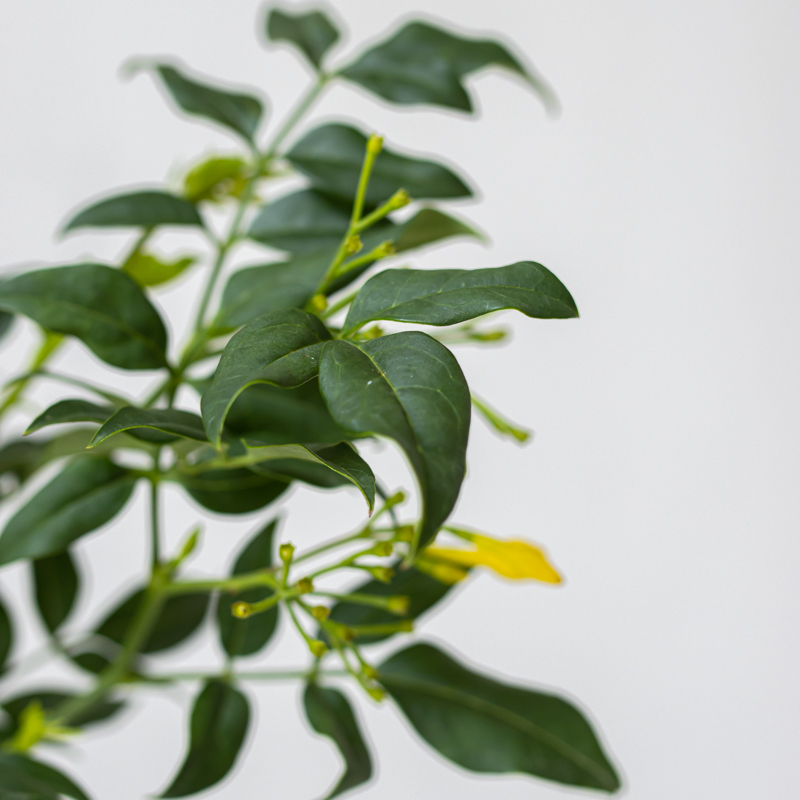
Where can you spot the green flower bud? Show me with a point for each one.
(241, 610)
(286, 551)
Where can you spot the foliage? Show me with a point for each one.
(293, 366)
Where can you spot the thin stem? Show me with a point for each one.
(155, 539)
(67, 379)
(49, 345)
(296, 115)
(266, 675)
(339, 305)
(330, 545)
(237, 583)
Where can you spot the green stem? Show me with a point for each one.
(238, 583)
(56, 376)
(267, 675)
(296, 115)
(339, 305)
(47, 348)
(155, 522)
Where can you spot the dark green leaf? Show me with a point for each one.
(91, 661)
(332, 155)
(101, 306)
(487, 726)
(448, 296)
(180, 616)
(149, 270)
(425, 64)
(6, 635)
(51, 700)
(137, 210)
(408, 387)
(71, 411)
(331, 715)
(243, 637)
(24, 778)
(85, 495)
(219, 725)
(56, 583)
(313, 33)
(426, 227)
(239, 112)
(6, 321)
(233, 491)
(422, 591)
(166, 423)
(281, 348)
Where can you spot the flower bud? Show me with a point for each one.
(398, 604)
(320, 613)
(376, 694)
(305, 585)
(353, 244)
(369, 672)
(374, 144)
(286, 551)
(382, 549)
(399, 199)
(317, 648)
(241, 610)
(383, 574)
(405, 533)
(318, 303)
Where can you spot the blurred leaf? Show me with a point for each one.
(422, 63)
(99, 305)
(233, 491)
(180, 616)
(23, 778)
(313, 33)
(56, 582)
(410, 388)
(219, 724)
(500, 423)
(281, 348)
(136, 210)
(6, 321)
(51, 700)
(427, 226)
(6, 636)
(91, 661)
(70, 411)
(215, 178)
(331, 715)
(147, 270)
(160, 424)
(239, 112)
(243, 637)
(487, 726)
(332, 155)
(88, 493)
(448, 296)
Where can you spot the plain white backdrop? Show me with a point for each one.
(663, 475)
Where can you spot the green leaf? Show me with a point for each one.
(70, 411)
(215, 178)
(281, 348)
(219, 724)
(410, 388)
(56, 584)
(180, 616)
(427, 226)
(24, 778)
(6, 635)
(51, 700)
(331, 715)
(422, 591)
(99, 305)
(448, 296)
(243, 637)
(332, 155)
(160, 424)
(147, 270)
(6, 321)
(91, 661)
(425, 64)
(233, 491)
(239, 112)
(136, 210)
(312, 33)
(487, 726)
(88, 493)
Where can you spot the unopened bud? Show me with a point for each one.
(374, 144)
(317, 648)
(382, 549)
(384, 250)
(318, 303)
(353, 244)
(395, 499)
(405, 625)
(369, 672)
(286, 551)
(376, 694)
(399, 199)
(241, 610)
(305, 585)
(320, 613)
(405, 533)
(383, 574)
(398, 605)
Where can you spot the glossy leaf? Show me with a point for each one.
(99, 305)
(331, 715)
(239, 112)
(215, 178)
(219, 724)
(312, 32)
(487, 726)
(99, 711)
(332, 155)
(6, 635)
(422, 63)
(423, 592)
(88, 493)
(281, 348)
(71, 411)
(56, 583)
(166, 423)
(136, 210)
(410, 388)
(180, 616)
(233, 491)
(6, 321)
(24, 778)
(243, 637)
(448, 296)
(148, 270)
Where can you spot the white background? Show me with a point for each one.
(660, 479)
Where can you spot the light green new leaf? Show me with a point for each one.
(70, 411)
(332, 155)
(449, 296)
(219, 724)
(56, 584)
(487, 726)
(147, 270)
(215, 178)
(313, 33)
(161, 425)
(239, 112)
(14, 707)
(281, 348)
(137, 210)
(85, 495)
(6, 636)
(422, 63)
(408, 387)
(24, 778)
(331, 715)
(99, 305)
(243, 637)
